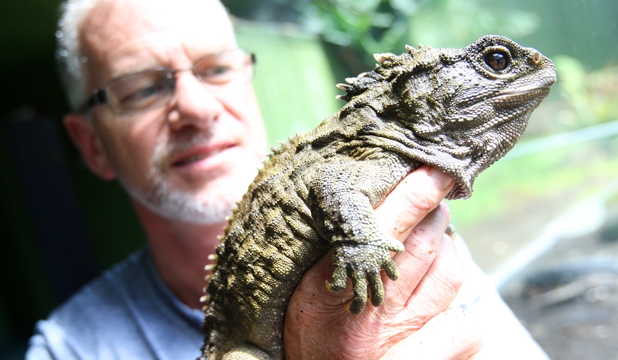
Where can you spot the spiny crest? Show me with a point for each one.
(385, 58)
(411, 50)
(358, 85)
(389, 65)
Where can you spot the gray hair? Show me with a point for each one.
(71, 61)
(68, 54)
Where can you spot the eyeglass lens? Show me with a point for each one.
(153, 88)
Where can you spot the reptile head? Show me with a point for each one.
(461, 109)
(492, 91)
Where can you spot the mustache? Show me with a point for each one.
(167, 148)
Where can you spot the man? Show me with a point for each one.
(174, 119)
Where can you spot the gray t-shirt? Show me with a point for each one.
(127, 313)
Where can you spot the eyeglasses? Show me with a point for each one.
(153, 88)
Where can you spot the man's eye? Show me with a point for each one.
(216, 74)
(142, 93)
(147, 91)
(220, 70)
(144, 96)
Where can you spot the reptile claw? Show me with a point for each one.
(349, 304)
(346, 304)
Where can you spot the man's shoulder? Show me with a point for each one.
(109, 294)
(101, 313)
(127, 312)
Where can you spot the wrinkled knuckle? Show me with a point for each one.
(444, 210)
(452, 281)
(444, 291)
(423, 202)
(457, 280)
(421, 251)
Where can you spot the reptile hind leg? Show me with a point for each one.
(232, 346)
(246, 352)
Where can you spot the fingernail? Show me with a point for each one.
(441, 180)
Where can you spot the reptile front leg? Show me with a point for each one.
(342, 198)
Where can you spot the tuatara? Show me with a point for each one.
(456, 109)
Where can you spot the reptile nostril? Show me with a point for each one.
(536, 57)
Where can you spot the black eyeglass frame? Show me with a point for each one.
(99, 96)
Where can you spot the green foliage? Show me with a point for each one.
(366, 26)
(591, 95)
(293, 80)
(555, 174)
(374, 26)
(456, 23)
(515, 198)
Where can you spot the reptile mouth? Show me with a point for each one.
(522, 95)
(509, 97)
(521, 92)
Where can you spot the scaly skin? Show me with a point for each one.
(456, 109)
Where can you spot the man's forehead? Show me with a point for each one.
(180, 16)
(192, 14)
(125, 35)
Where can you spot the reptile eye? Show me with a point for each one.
(497, 60)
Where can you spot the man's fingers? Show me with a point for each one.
(450, 335)
(442, 281)
(415, 196)
(413, 214)
(430, 269)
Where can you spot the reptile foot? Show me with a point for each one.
(363, 263)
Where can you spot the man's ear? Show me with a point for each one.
(87, 141)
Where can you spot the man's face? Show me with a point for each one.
(193, 158)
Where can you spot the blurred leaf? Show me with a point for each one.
(359, 6)
(382, 20)
(591, 96)
(572, 75)
(454, 23)
(407, 7)
(372, 26)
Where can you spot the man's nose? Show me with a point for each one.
(193, 104)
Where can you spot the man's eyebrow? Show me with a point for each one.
(142, 67)
(201, 55)
(137, 70)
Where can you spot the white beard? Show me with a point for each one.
(173, 203)
(183, 206)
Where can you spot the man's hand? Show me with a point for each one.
(451, 335)
(318, 326)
